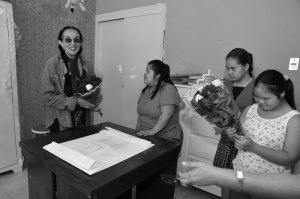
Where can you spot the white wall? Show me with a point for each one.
(200, 33)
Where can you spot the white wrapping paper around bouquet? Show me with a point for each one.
(210, 98)
(99, 151)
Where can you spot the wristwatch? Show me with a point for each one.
(240, 180)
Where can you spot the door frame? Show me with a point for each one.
(141, 11)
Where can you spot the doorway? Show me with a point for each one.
(125, 42)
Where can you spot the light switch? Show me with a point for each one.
(294, 63)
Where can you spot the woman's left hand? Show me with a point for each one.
(243, 142)
(149, 132)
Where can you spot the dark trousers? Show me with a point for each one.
(54, 128)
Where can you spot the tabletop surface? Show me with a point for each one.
(126, 173)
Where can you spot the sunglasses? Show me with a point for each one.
(69, 40)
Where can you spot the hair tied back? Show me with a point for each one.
(286, 77)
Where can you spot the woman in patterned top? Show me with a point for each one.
(239, 64)
(271, 127)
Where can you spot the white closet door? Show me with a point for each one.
(8, 153)
(142, 43)
(111, 50)
(125, 42)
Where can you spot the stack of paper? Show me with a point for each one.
(99, 151)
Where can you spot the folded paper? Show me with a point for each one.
(70, 155)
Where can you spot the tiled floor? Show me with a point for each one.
(182, 192)
(15, 186)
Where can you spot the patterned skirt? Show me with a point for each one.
(225, 153)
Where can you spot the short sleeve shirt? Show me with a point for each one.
(149, 111)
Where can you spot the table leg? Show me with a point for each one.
(154, 187)
(40, 179)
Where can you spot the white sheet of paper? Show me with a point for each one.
(70, 155)
(108, 147)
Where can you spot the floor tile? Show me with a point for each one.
(15, 185)
(4, 195)
(178, 186)
(195, 193)
(179, 194)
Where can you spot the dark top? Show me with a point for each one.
(245, 98)
(237, 91)
(68, 85)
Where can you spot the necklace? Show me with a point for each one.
(150, 91)
(147, 100)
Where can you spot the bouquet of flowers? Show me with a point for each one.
(89, 87)
(213, 102)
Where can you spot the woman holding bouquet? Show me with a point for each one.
(159, 104)
(64, 109)
(271, 127)
(239, 65)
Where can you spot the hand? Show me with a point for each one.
(84, 104)
(243, 142)
(204, 174)
(231, 132)
(149, 132)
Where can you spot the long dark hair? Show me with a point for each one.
(70, 64)
(243, 57)
(276, 83)
(168, 75)
(159, 68)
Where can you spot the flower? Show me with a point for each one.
(217, 82)
(213, 102)
(88, 87)
(198, 97)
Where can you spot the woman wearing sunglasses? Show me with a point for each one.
(64, 109)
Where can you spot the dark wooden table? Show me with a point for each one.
(51, 177)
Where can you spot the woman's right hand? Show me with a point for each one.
(230, 132)
(84, 104)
